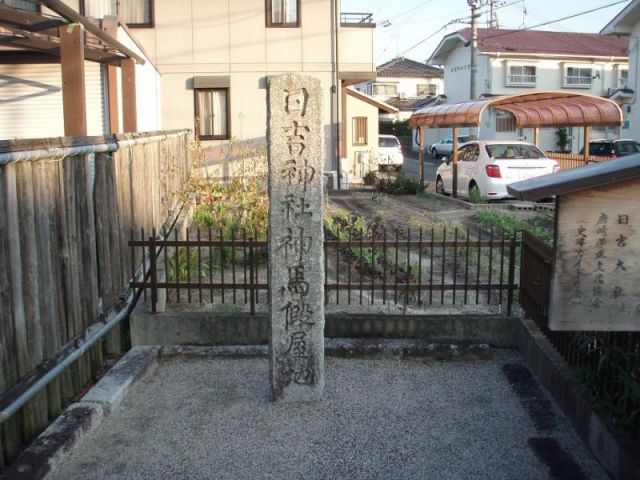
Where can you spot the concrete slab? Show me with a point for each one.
(113, 387)
(382, 418)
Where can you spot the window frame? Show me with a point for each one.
(269, 22)
(37, 10)
(505, 122)
(426, 88)
(512, 83)
(196, 129)
(354, 123)
(565, 76)
(385, 84)
(152, 18)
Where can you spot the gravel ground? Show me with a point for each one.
(379, 419)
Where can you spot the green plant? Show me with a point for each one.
(540, 226)
(182, 266)
(476, 197)
(614, 382)
(401, 184)
(370, 177)
(563, 139)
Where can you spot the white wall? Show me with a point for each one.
(633, 110)
(148, 89)
(31, 100)
(354, 162)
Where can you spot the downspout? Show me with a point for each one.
(336, 90)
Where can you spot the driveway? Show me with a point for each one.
(412, 166)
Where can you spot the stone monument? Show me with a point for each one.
(296, 268)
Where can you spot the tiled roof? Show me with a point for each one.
(551, 43)
(410, 103)
(406, 68)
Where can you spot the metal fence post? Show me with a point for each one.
(154, 271)
(512, 271)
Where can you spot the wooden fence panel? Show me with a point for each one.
(63, 254)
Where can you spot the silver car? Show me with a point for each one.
(445, 146)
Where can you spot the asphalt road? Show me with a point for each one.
(412, 166)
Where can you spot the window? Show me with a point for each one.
(388, 89)
(359, 131)
(578, 77)
(212, 113)
(136, 13)
(27, 5)
(283, 13)
(426, 89)
(470, 153)
(623, 77)
(505, 122)
(521, 76)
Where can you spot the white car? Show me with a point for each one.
(490, 165)
(389, 152)
(445, 146)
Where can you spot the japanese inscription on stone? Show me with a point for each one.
(596, 280)
(296, 273)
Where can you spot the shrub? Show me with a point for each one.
(402, 184)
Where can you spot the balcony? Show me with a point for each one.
(357, 20)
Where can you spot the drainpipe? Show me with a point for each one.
(337, 90)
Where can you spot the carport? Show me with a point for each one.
(531, 110)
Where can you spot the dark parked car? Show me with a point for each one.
(613, 148)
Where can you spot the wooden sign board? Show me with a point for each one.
(596, 278)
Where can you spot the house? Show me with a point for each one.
(525, 61)
(214, 60)
(627, 24)
(405, 84)
(34, 101)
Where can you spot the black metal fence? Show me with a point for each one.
(609, 362)
(414, 268)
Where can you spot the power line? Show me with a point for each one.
(557, 20)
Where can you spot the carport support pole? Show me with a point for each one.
(586, 153)
(454, 158)
(421, 160)
(536, 137)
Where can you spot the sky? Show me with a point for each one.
(414, 21)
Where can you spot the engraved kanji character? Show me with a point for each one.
(296, 101)
(598, 279)
(620, 266)
(623, 219)
(295, 245)
(597, 303)
(293, 206)
(300, 172)
(296, 138)
(298, 345)
(297, 284)
(297, 315)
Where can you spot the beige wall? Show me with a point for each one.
(205, 38)
(356, 156)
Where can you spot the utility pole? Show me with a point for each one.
(474, 46)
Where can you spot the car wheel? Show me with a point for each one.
(440, 186)
(475, 195)
(434, 152)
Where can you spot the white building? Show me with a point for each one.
(523, 61)
(627, 24)
(405, 84)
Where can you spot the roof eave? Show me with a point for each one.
(622, 24)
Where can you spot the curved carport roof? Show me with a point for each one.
(533, 110)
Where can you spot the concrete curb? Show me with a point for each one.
(347, 348)
(81, 418)
(618, 456)
(113, 387)
(52, 446)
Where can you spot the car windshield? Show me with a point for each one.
(387, 142)
(627, 148)
(505, 151)
(601, 148)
